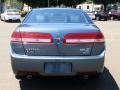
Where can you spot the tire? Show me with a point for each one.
(1, 19)
(105, 19)
(119, 19)
(5, 20)
(19, 77)
(18, 20)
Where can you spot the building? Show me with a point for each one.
(26, 8)
(89, 7)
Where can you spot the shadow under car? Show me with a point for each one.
(104, 82)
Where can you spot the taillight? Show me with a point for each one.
(12, 14)
(84, 38)
(9, 14)
(16, 37)
(32, 37)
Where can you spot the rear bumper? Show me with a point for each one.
(22, 64)
(14, 17)
(104, 17)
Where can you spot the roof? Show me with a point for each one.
(53, 8)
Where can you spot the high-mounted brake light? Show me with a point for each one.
(84, 38)
(32, 37)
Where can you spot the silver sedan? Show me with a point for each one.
(57, 42)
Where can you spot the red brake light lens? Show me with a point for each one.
(32, 37)
(13, 14)
(16, 37)
(84, 38)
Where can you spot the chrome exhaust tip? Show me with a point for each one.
(29, 77)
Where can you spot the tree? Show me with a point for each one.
(89, 1)
(1, 1)
(69, 2)
(105, 2)
(44, 3)
(1, 5)
(35, 3)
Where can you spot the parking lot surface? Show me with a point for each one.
(109, 80)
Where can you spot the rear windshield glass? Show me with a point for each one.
(56, 16)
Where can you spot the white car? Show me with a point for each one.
(10, 14)
(91, 14)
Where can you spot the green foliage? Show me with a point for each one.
(89, 1)
(2, 1)
(69, 2)
(44, 3)
(23, 13)
(105, 2)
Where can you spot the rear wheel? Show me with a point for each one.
(118, 18)
(105, 19)
(18, 20)
(19, 77)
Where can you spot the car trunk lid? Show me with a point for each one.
(59, 39)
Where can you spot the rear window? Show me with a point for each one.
(56, 16)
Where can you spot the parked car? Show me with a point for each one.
(57, 42)
(10, 14)
(102, 16)
(115, 15)
(91, 14)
